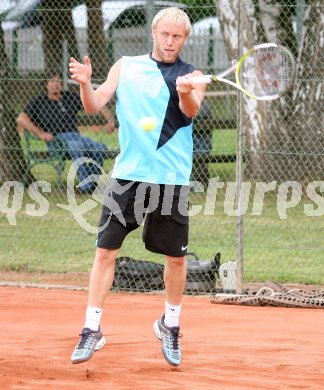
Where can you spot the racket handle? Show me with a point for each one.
(205, 79)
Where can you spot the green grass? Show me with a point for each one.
(278, 250)
(224, 141)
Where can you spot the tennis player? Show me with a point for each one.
(155, 85)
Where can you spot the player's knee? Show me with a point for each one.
(105, 257)
(176, 262)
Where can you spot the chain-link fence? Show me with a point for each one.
(255, 203)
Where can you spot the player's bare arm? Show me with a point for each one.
(190, 94)
(94, 100)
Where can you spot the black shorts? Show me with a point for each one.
(163, 208)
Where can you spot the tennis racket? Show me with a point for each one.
(265, 72)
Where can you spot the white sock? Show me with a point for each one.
(93, 317)
(172, 315)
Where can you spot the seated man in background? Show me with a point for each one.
(54, 114)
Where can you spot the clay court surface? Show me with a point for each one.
(224, 346)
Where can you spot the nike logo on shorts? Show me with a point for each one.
(183, 248)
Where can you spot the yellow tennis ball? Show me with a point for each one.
(148, 123)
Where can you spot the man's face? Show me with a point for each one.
(168, 40)
(54, 86)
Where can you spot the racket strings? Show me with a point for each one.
(267, 71)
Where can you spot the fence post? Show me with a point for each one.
(65, 64)
(110, 46)
(14, 51)
(239, 173)
(211, 51)
(149, 18)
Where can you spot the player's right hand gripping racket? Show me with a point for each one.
(265, 72)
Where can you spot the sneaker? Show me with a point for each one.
(169, 341)
(90, 341)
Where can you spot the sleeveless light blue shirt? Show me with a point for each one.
(164, 155)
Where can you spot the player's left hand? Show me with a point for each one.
(80, 72)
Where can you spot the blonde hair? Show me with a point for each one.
(173, 14)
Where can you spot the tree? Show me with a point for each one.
(274, 148)
(12, 162)
(58, 28)
(96, 41)
(308, 98)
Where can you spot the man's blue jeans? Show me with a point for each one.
(78, 146)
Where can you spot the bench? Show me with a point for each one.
(37, 153)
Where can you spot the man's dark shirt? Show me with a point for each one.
(55, 116)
